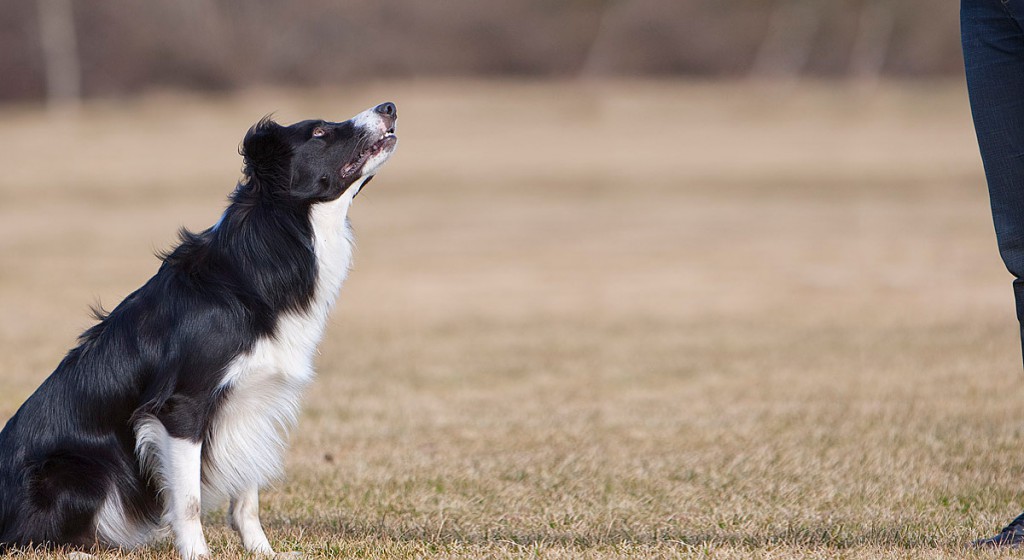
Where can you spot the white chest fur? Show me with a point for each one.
(264, 386)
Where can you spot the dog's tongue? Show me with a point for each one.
(349, 168)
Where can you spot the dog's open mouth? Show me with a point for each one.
(384, 146)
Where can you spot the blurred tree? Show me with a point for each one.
(786, 47)
(873, 40)
(607, 11)
(104, 48)
(60, 53)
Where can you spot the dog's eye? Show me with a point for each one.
(318, 132)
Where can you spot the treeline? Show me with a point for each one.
(67, 48)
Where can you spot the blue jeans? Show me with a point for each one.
(992, 32)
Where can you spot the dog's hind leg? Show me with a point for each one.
(64, 489)
(244, 517)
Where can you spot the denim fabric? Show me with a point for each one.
(992, 32)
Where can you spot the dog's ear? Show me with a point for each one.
(266, 152)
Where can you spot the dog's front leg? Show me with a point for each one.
(183, 461)
(244, 517)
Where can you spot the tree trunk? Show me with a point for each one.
(874, 39)
(787, 45)
(595, 54)
(60, 53)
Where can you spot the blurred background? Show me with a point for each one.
(642, 274)
(100, 49)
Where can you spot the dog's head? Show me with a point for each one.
(317, 160)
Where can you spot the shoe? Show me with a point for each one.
(1012, 536)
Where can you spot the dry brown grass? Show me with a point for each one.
(589, 320)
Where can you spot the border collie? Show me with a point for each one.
(180, 399)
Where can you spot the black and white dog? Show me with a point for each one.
(180, 399)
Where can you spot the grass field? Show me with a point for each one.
(588, 320)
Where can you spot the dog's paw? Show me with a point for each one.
(79, 555)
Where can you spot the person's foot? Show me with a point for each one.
(1012, 536)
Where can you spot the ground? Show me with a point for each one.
(588, 319)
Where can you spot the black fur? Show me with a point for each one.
(163, 350)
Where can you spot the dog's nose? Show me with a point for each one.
(387, 109)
